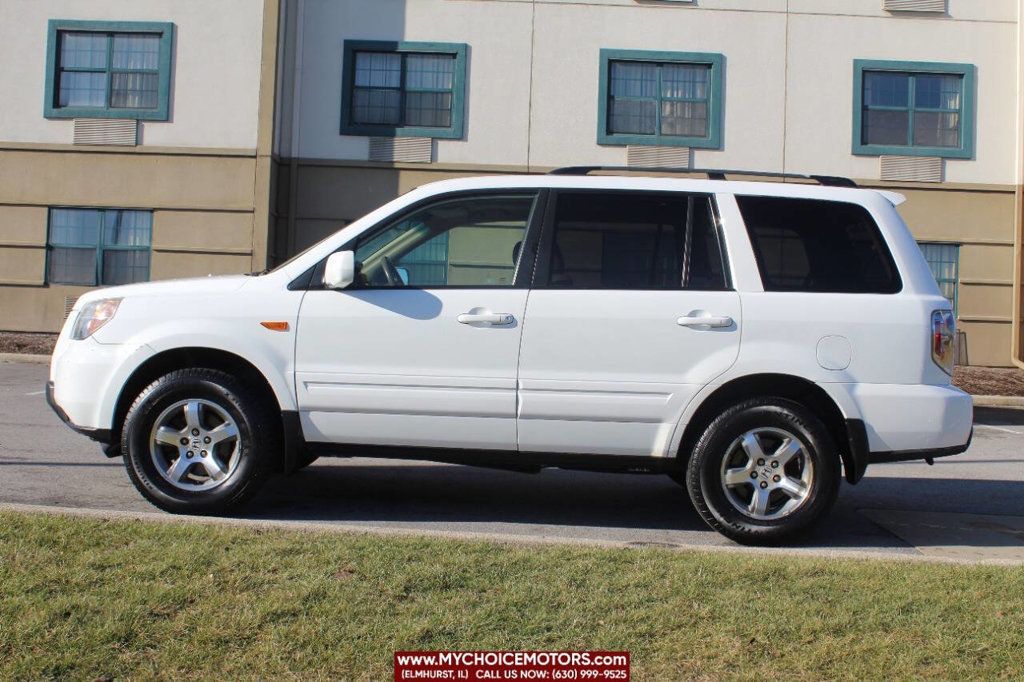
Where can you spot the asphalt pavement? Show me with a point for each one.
(964, 508)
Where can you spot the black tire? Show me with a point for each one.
(704, 474)
(258, 437)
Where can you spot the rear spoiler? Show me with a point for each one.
(894, 198)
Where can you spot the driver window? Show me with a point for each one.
(473, 241)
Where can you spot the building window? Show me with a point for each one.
(660, 98)
(403, 89)
(100, 69)
(944, 261)
(913, 109)
(98, 246)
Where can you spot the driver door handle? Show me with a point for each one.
(486, 319)
(713, 321)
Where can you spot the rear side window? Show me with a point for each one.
(620, 240)
(818, 246)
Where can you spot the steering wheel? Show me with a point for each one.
(391, 273)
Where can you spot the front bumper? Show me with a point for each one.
(102, 436)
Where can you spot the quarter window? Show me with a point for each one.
(467, 242)
(664, 98)
(926, 111)
(108, 69)
(107, 246)
(818, 246)
(403, 89)
(638, 241)
(944, 261)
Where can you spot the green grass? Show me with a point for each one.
(85, 598)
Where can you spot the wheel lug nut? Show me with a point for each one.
(195, 432)
(776, 478)
(203, 453)
(775, 465)
(184, 441)
(753, 474)
(764, 484)
(207, 440)
(190, 454)
(760, 462)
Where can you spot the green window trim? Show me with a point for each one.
(454, 131)
(58, 26)
(713, 140)
(99, 246)
(967, 109)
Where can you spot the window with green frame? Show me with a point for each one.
(403, 89)
(913, 109)
(944, 261)
(108, 69)
(88, 246)
(660, 98)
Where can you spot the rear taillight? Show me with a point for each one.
(943, 334)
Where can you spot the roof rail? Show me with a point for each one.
(711, 173)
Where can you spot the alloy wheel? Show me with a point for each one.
(767, 474)
(195, 445)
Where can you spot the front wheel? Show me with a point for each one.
(198, 441)
(764, 471)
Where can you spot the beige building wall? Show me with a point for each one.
(202, 216)
(251, 166)
(982, 222)
(204, 173)
(532, 105)
(215, 82)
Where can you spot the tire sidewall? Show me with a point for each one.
(138, 428)
(704, 470)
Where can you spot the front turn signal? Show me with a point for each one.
(276, 326)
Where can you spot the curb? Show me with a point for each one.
(998, 401)
(508, 539)
(25, 357)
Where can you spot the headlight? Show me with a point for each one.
(93, 316)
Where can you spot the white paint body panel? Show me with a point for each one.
(599, 372)
(395, 367)
(221, 313)
(611, 372)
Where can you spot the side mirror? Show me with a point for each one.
(340, 270)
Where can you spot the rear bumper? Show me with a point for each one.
(908, 455)
(906, 422)
(102, 436)
(908, 417)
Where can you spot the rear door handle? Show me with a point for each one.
(486, 319)
(704, 320)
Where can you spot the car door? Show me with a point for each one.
(422, 350)
(631, 313)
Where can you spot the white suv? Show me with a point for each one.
(754, 341)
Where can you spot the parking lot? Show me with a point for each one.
(969, 507)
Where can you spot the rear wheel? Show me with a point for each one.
(764, 471)
(198, 441)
